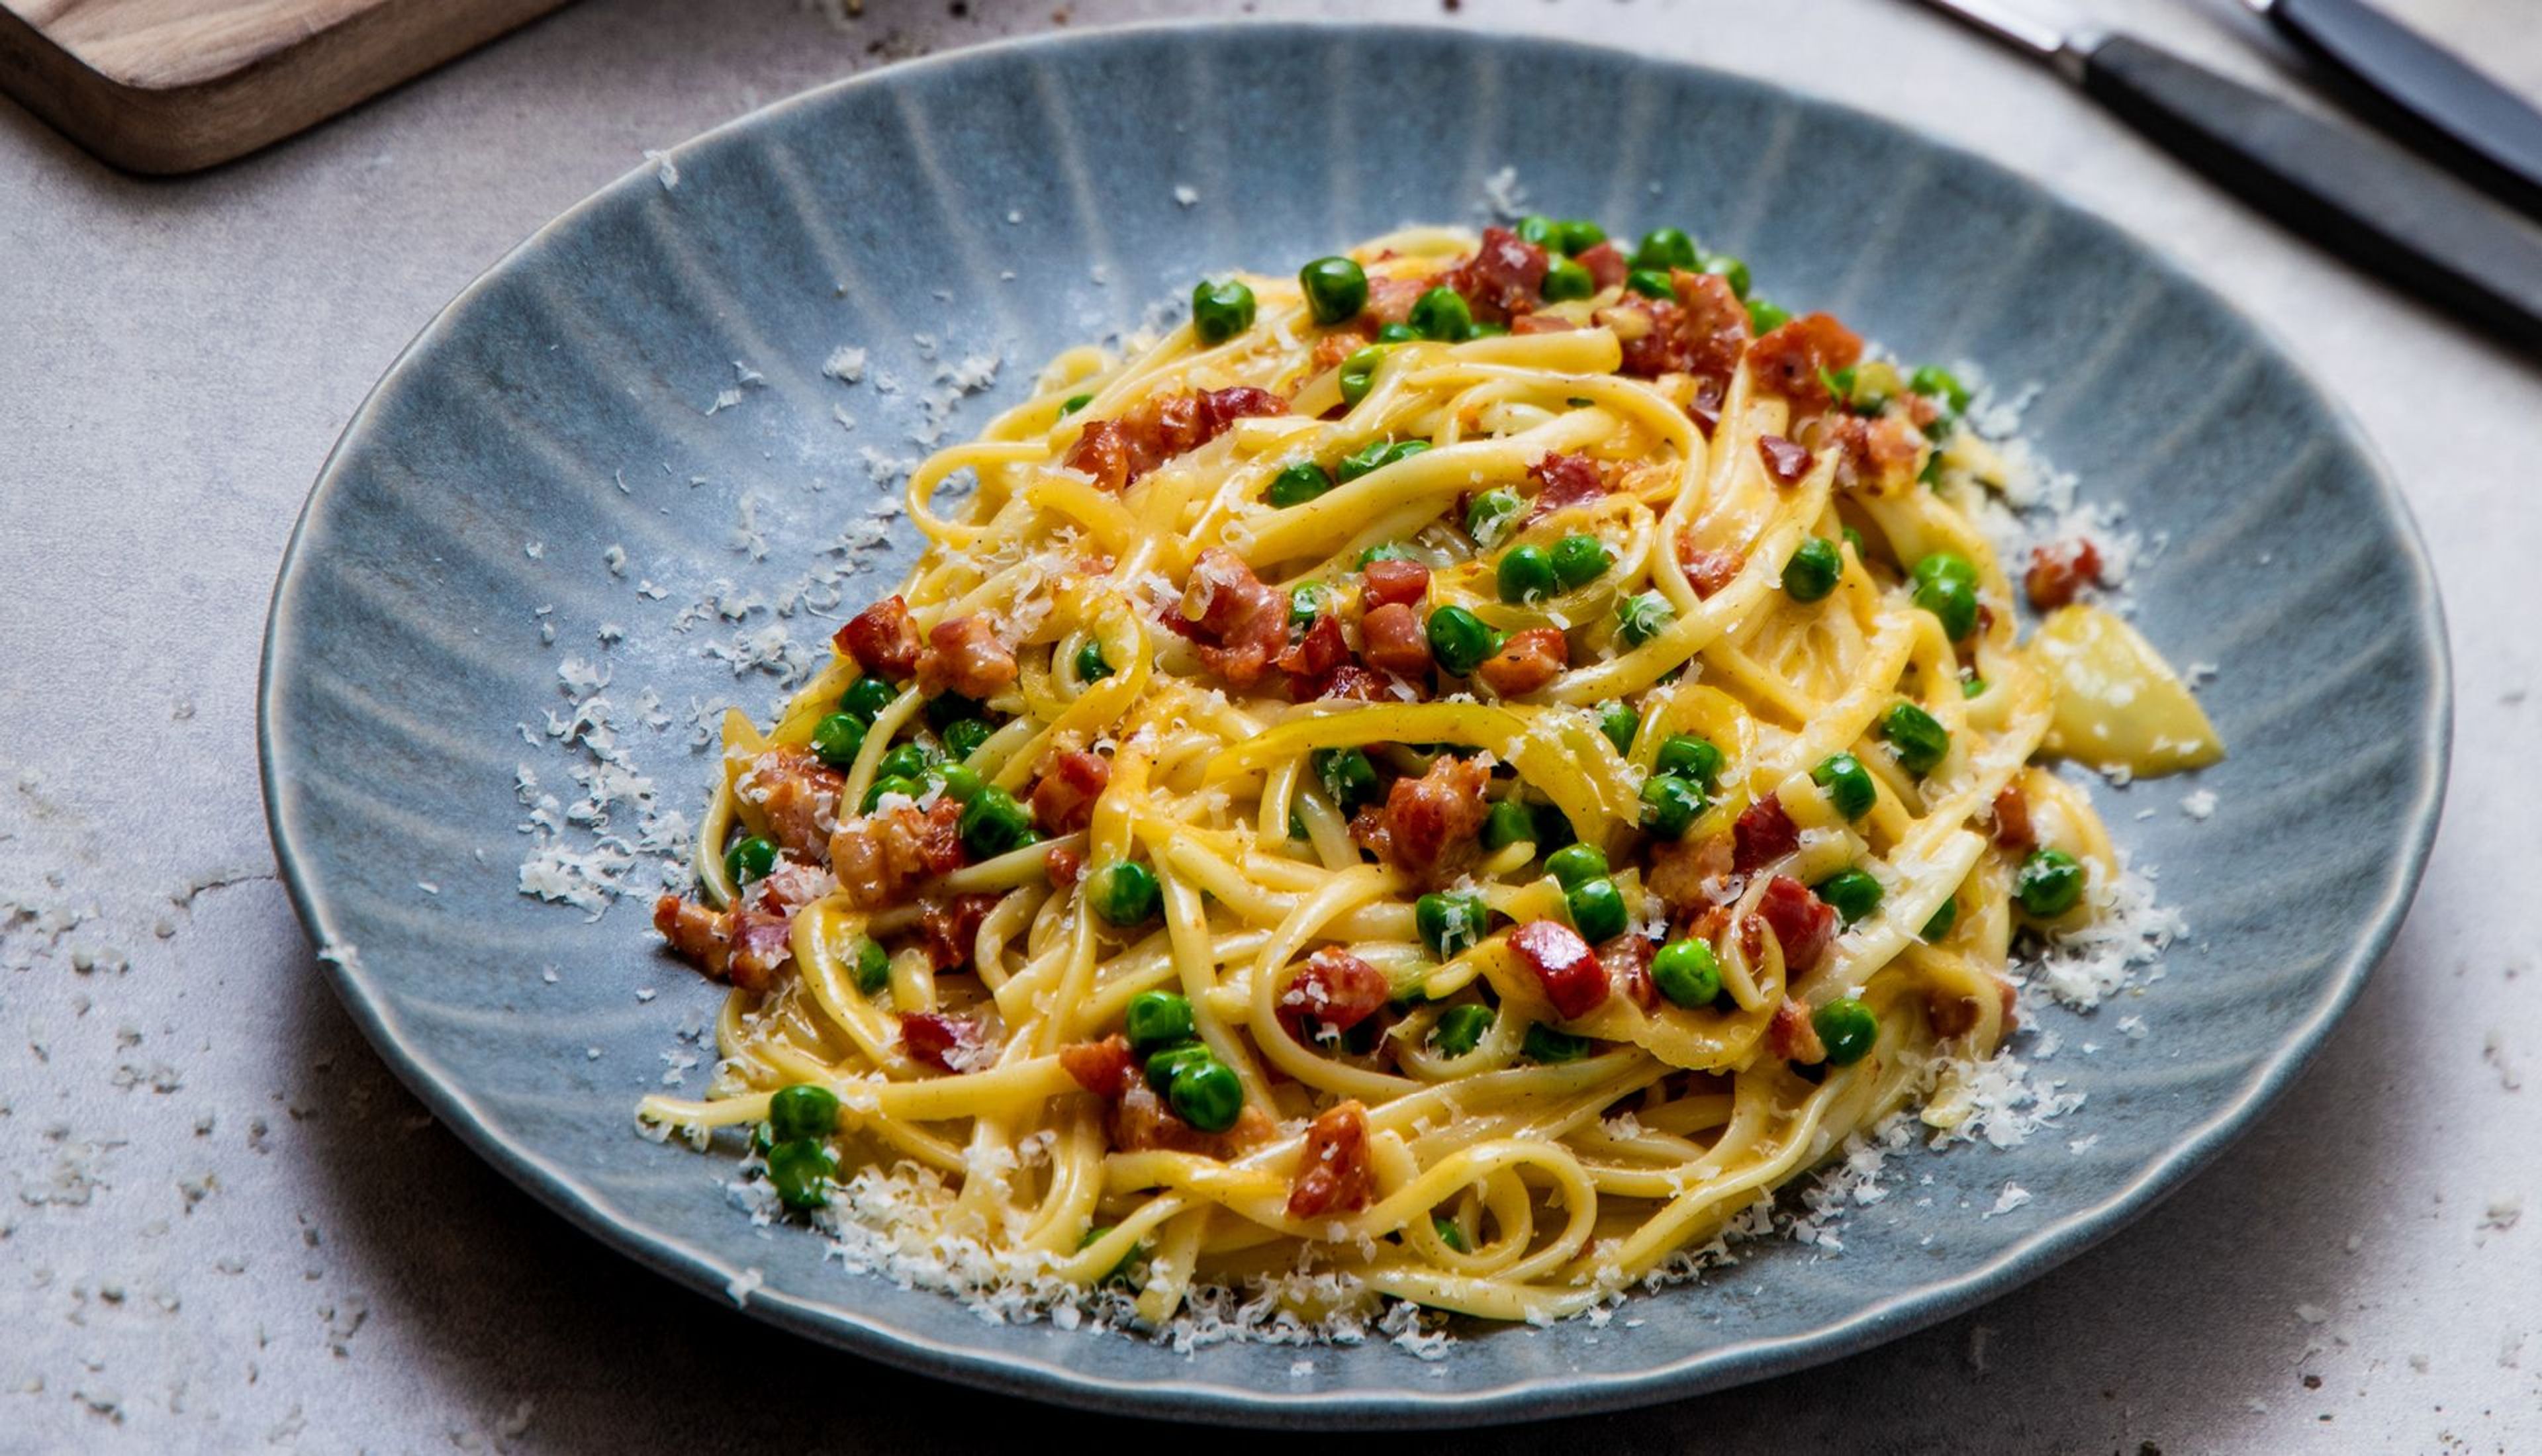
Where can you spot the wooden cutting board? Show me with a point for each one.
(174, 85)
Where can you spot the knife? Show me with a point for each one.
(2428, 96)
(2348, 192)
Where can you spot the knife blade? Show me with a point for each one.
(2346, 191)
(2430, 98)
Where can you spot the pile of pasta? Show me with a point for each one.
(1463, 770)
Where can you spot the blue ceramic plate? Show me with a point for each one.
(1013, 200)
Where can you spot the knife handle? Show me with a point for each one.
(2423, 94)
(2355, 194)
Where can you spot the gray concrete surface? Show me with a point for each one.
(223, 1226)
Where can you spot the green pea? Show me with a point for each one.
(803, 1110)
(1596, 909)
(1163, 1062)
(1461, 1029)
(1575, 863)
(1090, 666)
(872, 966)
(865, 698)
(1730, 270)
(2049, 884)
(750, 858)
(1973, 686)
(1526, 575)
(1305, 604)
(800, 1172)
(837, 739)
(1764, 318)
(1848, 785)
(1552, 827)
(1920, 741)
(1579, 234)
(1442, 314)
(1854, 893)
(1944, 918)
(907, 788)
(1126, 894)
(905, 761)
(1359, 462)
(1671, 805)
(1848, 1029)
(1544, 1044)
(1119, 1271)
(1156, 1018)
(1620, 723)
(1953, 601)
(1566, 280)
(1207, 1095)
(1642, 617)
(1812, 571)
(1359, 373)
(1450, 925)
(1402, 450)
(1459, 640)
(1299, 482)
(1489, 518)
(1665, 248)
(993, 824)
(1539, 230)
(1221, 311)
(1935, 381)
(1580, 560)
(1074, 404)
(964, 736)
(1336, 289)
(1508, 822)
(960, 784)
(1348, 779)
(1689, 757)
(1448, 1231)
(1650, 283)
(1687, 974)
(1853, 538)
(1394, 334)
(1486, 328)
(1944, 566)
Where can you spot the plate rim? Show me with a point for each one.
(837, 1324)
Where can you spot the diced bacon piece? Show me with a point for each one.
(1802, 922)
(1706, 418)
(1792, 1037)
(1564, 481)
(1502, 278)
(1339, 345)
(1117, 452)
(1141, 1122)
(1238, 624)
(1333, 1172)
(1709, 569)
(1352, 681)
(2012, 828)
(1786, 461)
(1392, 638)
(1064, 801)
(1689, 875)
(1386, 582)
(1952, 1016)
(951, 927)
(2059, 570)
(1525, 324)
(1063, 865)
(799, 795)
(1312, 658)
(1765, 833)
(1103, 1068)
(1626, 960)
(945, 1042)
(1793, 359)
(1527, 661)
(1875, 457)
(1391, 300)
(699, 933)
(1701, 332)
(1335, 990)
(791, 886)
(881, 640)
(1606, 262)
(762, 944)
(1573, 980)
(879, 859)
(1429, 823)
(964, 656)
